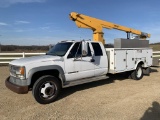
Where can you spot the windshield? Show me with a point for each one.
(59, 49)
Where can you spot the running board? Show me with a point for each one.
(86, 80)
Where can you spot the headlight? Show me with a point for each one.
(17, 71)
(20, 73)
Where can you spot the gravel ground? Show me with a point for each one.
(116, 98)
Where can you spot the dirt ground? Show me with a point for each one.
(116, 98)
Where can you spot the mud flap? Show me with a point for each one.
(146, 71)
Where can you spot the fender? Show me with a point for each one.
(137, 62)
(42, 68)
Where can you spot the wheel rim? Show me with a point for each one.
(48, 90)
(139, 72)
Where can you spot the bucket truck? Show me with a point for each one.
(71, 63)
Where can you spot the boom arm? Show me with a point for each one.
(97, 25)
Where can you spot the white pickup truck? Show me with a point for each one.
(71, 63)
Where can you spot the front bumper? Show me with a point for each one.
(16, 88)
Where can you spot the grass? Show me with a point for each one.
(155, 47)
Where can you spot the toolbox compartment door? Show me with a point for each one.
(130, 60)
(120, 60)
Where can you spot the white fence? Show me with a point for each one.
(157, 54)
(5, 58)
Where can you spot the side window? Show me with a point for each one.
(97, 49)
(76, 51)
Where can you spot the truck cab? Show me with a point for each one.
(68, 63)
(79, 66)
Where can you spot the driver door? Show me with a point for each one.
(77, 66)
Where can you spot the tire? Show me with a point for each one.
(129, 75)
(46, 89)
(137, 74)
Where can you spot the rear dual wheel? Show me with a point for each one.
(137, 74)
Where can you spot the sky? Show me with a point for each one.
(44, 22)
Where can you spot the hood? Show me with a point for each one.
(35, 59)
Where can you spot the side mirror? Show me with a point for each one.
(84, 48)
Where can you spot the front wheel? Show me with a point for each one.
(137, 74)
(46, 89)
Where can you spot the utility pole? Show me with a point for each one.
(50, 46)
(0, 45)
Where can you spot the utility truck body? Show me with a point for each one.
(71, 63)
(127, 59)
